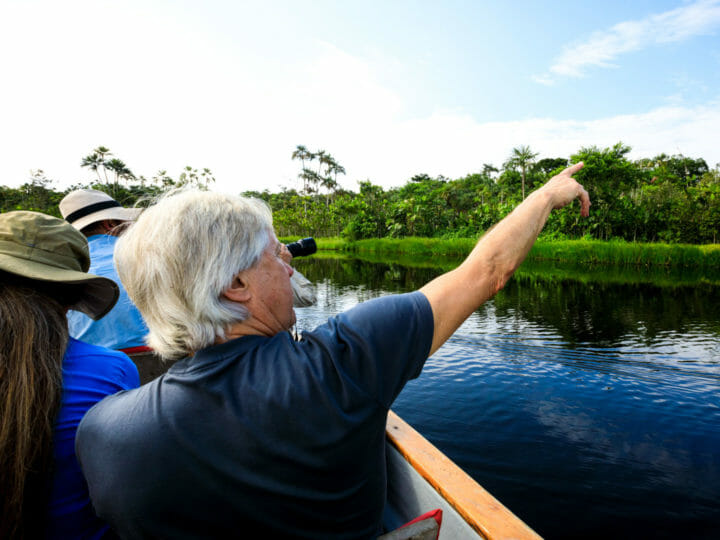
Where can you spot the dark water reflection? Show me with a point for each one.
(590, 408)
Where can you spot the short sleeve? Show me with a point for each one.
(380, 344)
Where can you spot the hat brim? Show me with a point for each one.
(99, 293)
(117, 213)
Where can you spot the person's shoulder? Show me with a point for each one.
(112, 409)
(98, 243)
(77, 348)
(379, 318)
(103, 360)
(393, 303)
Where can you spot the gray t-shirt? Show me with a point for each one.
(260, 434)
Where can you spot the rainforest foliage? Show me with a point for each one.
(670, 199)
(667, 198)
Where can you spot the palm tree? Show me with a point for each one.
(489, 169)
(328, 177)
(97, 161)
(337, 169)
(102, 152)
(162, 179)
(120, 169)
(521, 157)
(324, 159)
(311, 179)
(330, 182)
(92, 162)
(206, 177)
(302, 153)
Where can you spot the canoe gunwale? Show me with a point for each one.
(482, 512)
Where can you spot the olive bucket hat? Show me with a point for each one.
(45, 248)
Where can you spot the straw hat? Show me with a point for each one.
(45, 248)
(84, 207)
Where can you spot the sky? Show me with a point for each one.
(389, 88)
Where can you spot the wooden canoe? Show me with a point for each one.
(421, 478)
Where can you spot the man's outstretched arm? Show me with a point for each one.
(456, 294)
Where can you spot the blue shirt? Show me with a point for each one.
(123, 327)
(260, 433)
(90, 373)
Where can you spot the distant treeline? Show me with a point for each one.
(112, 176)
(671, 199)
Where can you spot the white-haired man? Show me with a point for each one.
(253, 430)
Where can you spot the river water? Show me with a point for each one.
(587, 402)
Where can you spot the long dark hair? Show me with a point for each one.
(33, 339)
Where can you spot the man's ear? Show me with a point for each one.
(239, 289)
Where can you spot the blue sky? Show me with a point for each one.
(391, 89)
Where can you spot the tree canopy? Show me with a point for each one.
(665, 198)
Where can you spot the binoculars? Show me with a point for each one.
(302, 248)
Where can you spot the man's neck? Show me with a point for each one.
(248, 327)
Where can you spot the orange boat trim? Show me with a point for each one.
(480, 509)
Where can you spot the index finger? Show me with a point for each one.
(572, 169)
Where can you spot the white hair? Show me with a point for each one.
(179, 257)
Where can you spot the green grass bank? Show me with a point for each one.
(591, 252)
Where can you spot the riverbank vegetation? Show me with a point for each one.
(583, 251)
(669, 201)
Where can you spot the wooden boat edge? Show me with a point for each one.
(483, 512)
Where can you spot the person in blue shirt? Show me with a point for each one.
(48, 381)
(102, 219)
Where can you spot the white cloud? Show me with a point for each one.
(544, 79)
(698, 18)
(167, 98)
(455, 145)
